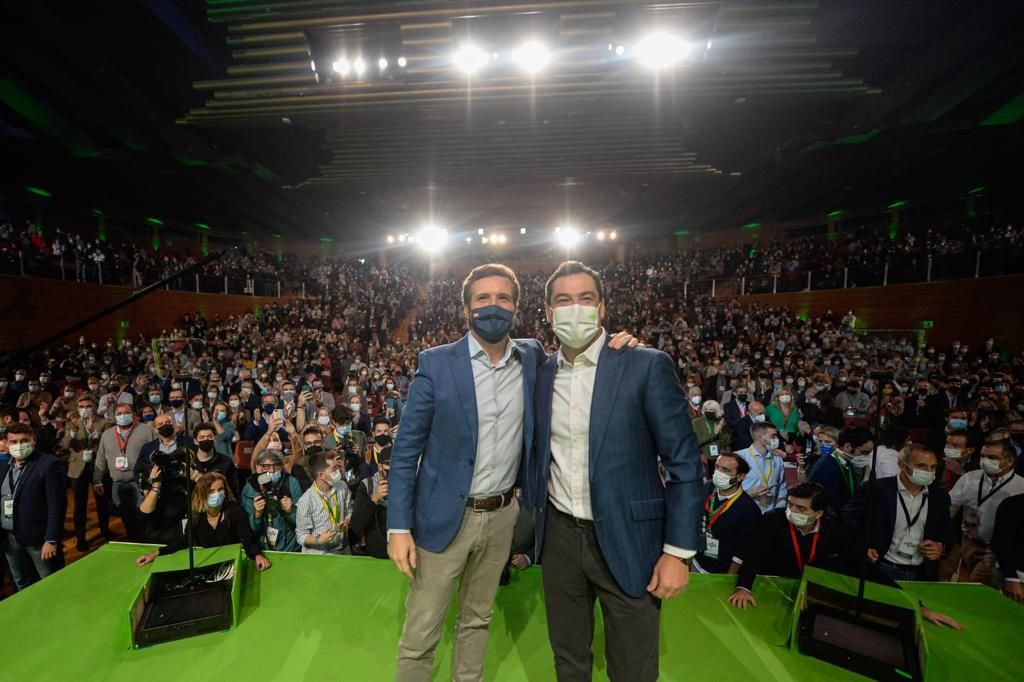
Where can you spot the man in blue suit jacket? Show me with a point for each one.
(32, 507)
(614, 530)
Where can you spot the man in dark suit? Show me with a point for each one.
(737, 408)
(741, 438)
(839, 472)
(1008, 546)
(608, 527)
(910, 526)
(32, 507)
(730, 517)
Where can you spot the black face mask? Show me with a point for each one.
(167, 430)
(205, 445)
(269, 408)
(742, 397)
(382, 440)
(177, 402)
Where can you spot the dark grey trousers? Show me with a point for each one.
(575, 574)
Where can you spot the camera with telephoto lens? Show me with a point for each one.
(269, 492)
(172, 469)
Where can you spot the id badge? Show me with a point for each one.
(121, 463)
(907, 549)
(272, 536)
(711, 550)
(713, 450)
(9, 508)
(86, 456)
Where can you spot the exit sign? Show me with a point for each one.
(927, 324)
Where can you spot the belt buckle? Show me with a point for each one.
(473, 505)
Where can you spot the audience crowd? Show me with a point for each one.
(284, 419)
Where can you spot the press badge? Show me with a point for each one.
(713, 450)
(907, 549)
(272, 536)
(9, 508)
(121, 463)
(86, 456)
(711, 550)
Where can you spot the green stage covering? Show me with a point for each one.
(319, 618)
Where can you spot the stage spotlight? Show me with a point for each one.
(620, 50)
(483, 240)
(469, 240)
(661, 50)
(342, 67)
(402, 237)
(382, 63)
(532, 56)
(613, 235)
(480, 231)
(432, 238)
(312, 65)
(359, 66)
(402, 62)
(391, 239)
(469, 59)
(568, 236)
(600, 235)
(522, 230)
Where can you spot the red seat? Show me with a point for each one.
(243, 454)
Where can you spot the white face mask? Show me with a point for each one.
(21, 450)
(234, 404)
(575, 325)
(773, 444)
(197, 405)
(323, 421)
(952, 453)
(921, 477)
(757, 418)
(722, 480)
(356, 407)
(991, 466)
(695, 400)
(798, 519)
(274, 445)
(335, 477)
(84, 412)
(861, 461)
(785, 399)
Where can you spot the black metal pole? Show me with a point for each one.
(878, 378)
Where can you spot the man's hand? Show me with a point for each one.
(327, 537)
(741, 599)
(402, 551)
(520, 561)
(98, 490)
(670, 577)
(262, 562)
(49, 551)
(259, 503)
(873, 555)
(146, 558)
(289, 428)
(930, 549)
(286, 504)
(379, 492)
(304, 398)
(622, 340)
(718, 427)
(1014, 590)
(939, 619)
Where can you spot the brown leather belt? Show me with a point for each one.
(482, 504)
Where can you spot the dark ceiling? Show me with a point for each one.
(212, 112)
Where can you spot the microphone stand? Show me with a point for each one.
(878, 377)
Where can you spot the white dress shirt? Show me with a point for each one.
(981, 520)
(902, 535)
(569, 480)
(499, 415)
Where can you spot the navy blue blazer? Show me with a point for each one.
(432, 457)
(40, 500)
(638, 414)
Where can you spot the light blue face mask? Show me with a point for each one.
(958, 424)
(215, 500)
(275, 477)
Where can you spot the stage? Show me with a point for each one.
(322, 618)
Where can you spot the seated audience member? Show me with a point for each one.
(206, 459)
(269, 500)
(766, 482)
(712, 433)
(840, 472)
(730, 517)
(217, 520)
(782, 412)
(736, 408)
(325, 510)
(822, 443)
(226, 436)
(32, 507)
(369, 522)
(801, 535)
(1008, 546)
(741, 438)
(910, 526)
(979, 494)
(81, 438)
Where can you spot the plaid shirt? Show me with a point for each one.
(311, 518)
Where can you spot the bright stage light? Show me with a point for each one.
(432, 238)
(600, 235)
(613, 235)
(342, 67)
(522, 230)
(469, 240)
(382, 63)
(620, 50)
(391, 239)
(483, 240)
(532, 56)
(480, 231)
(402, 237)
(568, 236)
(469, 59)
(359, 66)
(402, 62)
(661, 50)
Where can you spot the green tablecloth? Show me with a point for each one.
(317, 617)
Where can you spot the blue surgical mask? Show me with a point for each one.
(215, 500)
(344, 431)
(124, 419)
(825, 449)
(958, 424)
(491, 322)
(275, 477)
(146, 418)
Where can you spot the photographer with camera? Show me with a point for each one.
(207, 459)
(324, 511)
(268, 499)
(370, 506)
(167, 442)
(165, 497)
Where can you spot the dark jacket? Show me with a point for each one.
(733, 529)
(144, 463)
(741, 432)
(1008, 536)
(733, 416)
(937, 526)
(233, 528)
(370, 521)
(222, 465)
(40, 501)
(839, 482)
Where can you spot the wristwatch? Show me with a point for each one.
(688, 561)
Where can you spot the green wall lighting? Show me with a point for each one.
(154, 221)
(752, 226)
(835, 214)
(202, 226)
(39, 191)
(896, 205)
(681, 233)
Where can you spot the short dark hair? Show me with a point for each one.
(18, 427)
(489, 270)
(812, 491)
(573, 267)
(855, 436)
(205, 426)
(742, 466)
(1001, 443)
(760, 427)
(381, 419)
(318, 464)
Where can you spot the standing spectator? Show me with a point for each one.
(325, 510)
(81, 440)
(117, 455)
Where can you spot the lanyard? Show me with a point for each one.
(765, 478)
(796, 547)
(983, 500)
(906, 513)
(715, 513)
(334, 512)
(123, 445)
(845, 471)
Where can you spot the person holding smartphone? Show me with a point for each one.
(369, 525)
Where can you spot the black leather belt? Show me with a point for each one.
(582, 523)
(482, 504)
